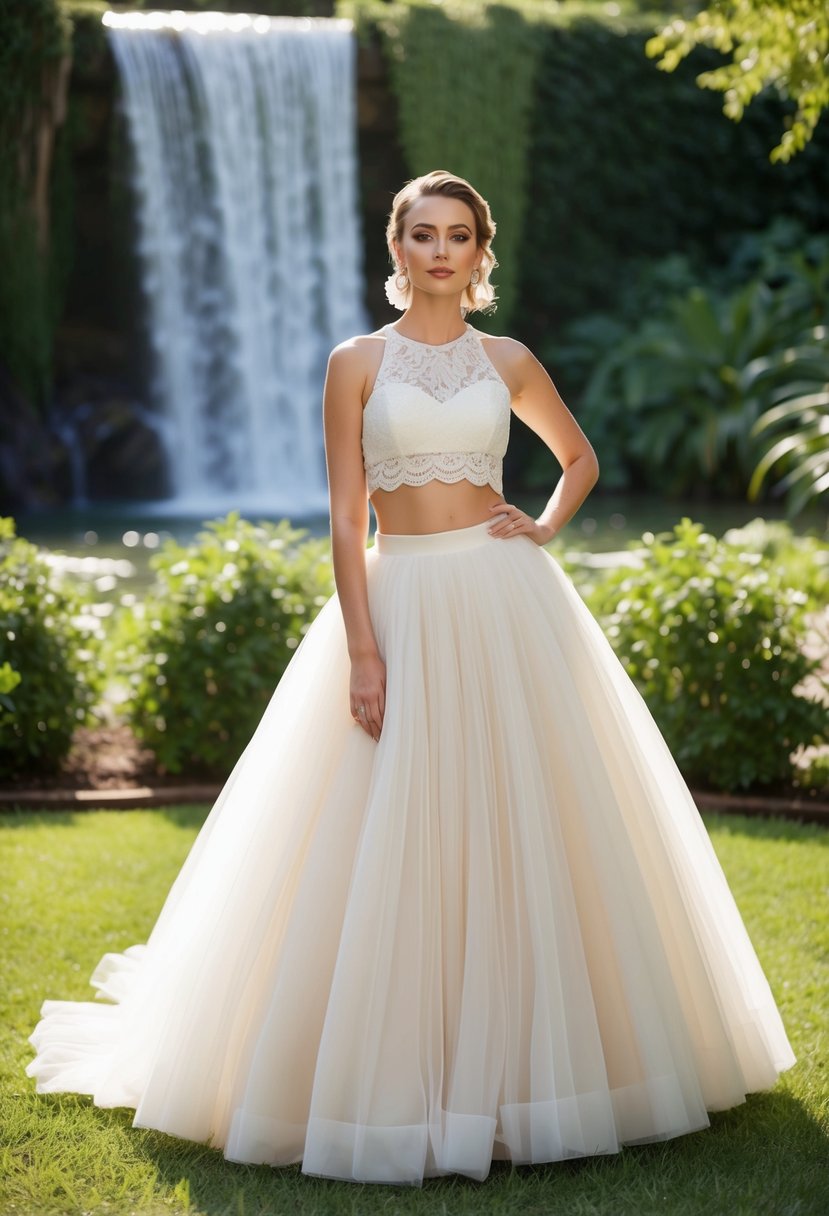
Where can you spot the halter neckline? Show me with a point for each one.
(429, 345)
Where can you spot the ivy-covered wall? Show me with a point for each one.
(34, 49)
(463, 74)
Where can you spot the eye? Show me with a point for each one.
(461, 236)
(425, 235)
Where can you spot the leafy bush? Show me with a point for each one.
(798, 561)
(203, 656)
(50, 675)
(713, 638)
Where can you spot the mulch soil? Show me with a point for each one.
(103, 758)
(107, 765)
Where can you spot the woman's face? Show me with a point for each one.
(438, 248)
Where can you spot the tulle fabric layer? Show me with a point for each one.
(501, 932)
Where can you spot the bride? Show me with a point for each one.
(455, 903)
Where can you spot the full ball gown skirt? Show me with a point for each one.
(499, 933)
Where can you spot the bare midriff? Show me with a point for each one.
(436, 507)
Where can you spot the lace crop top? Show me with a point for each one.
(436, 413)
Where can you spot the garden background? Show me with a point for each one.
(673, 278)
(667, 265)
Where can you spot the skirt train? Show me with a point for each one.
(499, 933)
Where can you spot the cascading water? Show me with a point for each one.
(243, 134)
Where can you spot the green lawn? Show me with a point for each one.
(77, 885)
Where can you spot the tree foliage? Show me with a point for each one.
(781, 44)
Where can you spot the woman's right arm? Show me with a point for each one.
(348, 498)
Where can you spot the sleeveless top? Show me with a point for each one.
(436, 413)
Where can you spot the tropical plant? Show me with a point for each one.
(681, 394)
(796, 429)
(780, 253)
(675, 383)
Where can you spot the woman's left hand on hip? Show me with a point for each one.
(516, 522)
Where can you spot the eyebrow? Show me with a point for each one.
(434, 226)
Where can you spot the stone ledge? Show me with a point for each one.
(810, 810)
(134, 798)
(807, 809)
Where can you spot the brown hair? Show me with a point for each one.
(481, 295)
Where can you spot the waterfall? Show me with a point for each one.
(244, 168)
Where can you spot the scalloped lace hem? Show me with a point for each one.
(480, 468)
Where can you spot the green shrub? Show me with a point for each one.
(798, 561)
(203, 656)
(50, 676)
(714, 639)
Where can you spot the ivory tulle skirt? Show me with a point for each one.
(499, 933)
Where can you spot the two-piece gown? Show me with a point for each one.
(500, 932)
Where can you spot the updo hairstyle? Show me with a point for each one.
(478, 297)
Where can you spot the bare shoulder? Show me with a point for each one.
(514, 362)
(355, 361)
(509, 350)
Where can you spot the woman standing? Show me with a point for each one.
(455, 903)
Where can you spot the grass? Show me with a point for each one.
(77, 885)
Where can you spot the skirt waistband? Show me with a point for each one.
(435, 542)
